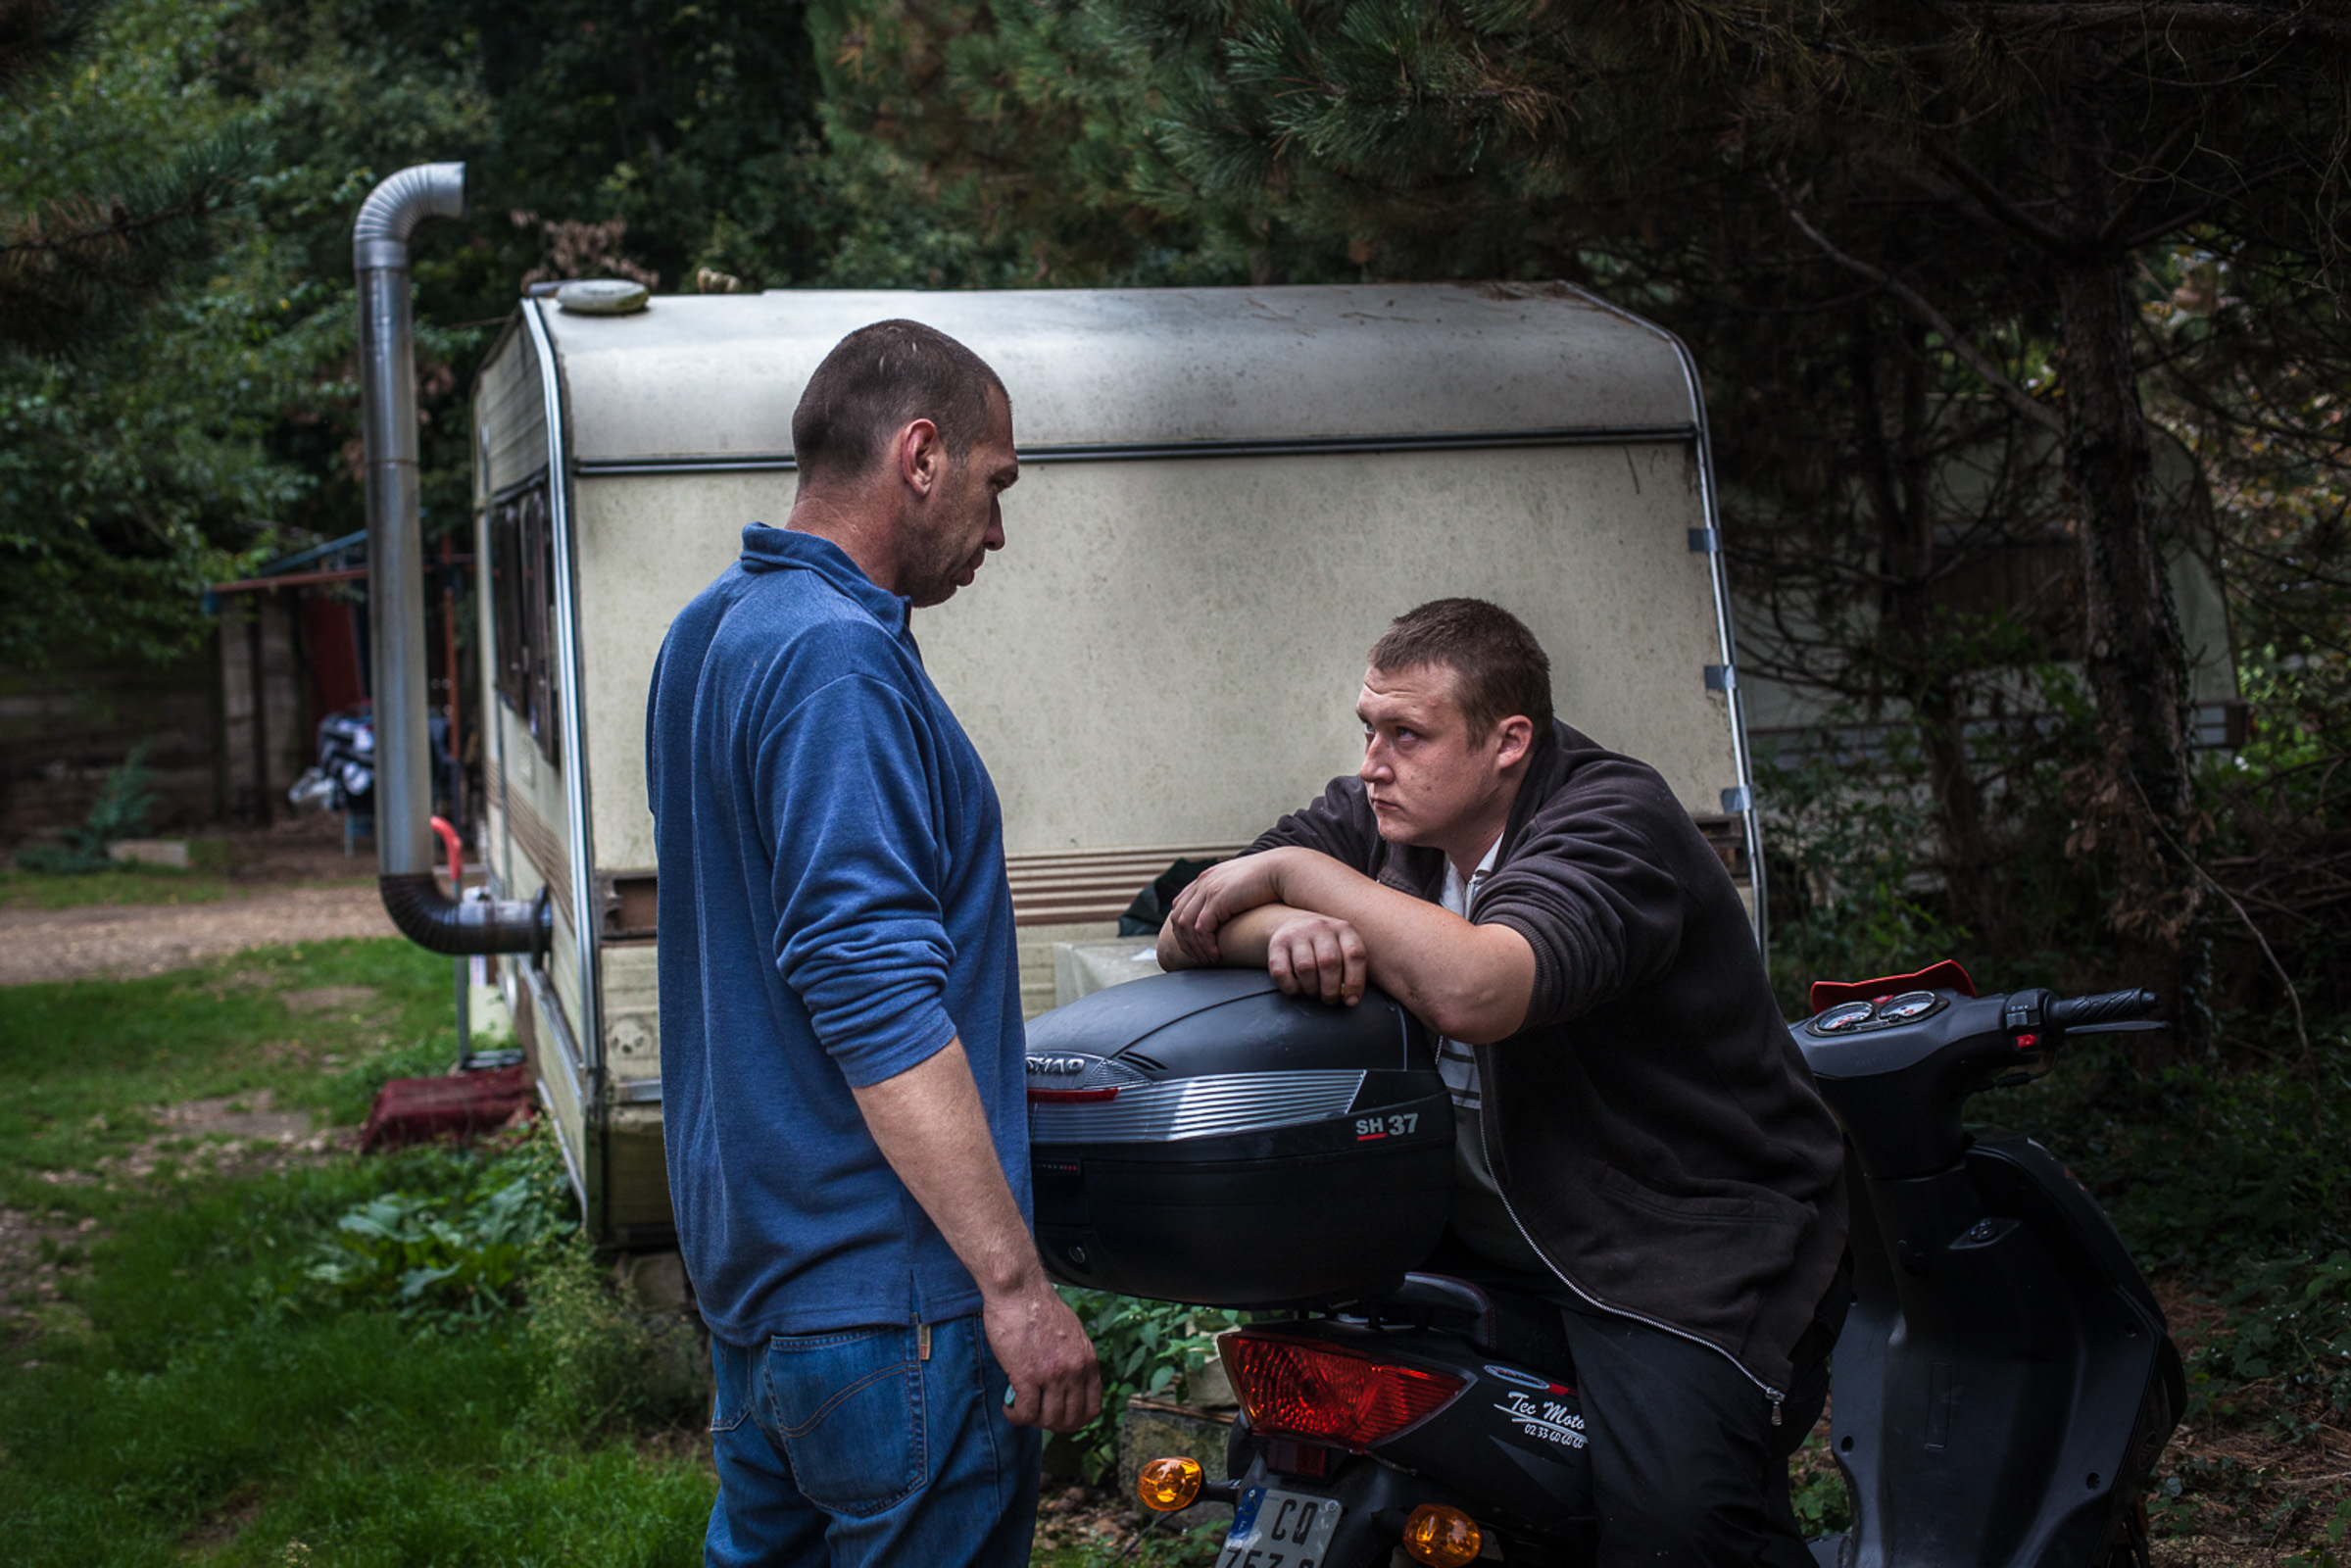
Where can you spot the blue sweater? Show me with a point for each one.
(833, 911)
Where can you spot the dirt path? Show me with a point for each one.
(130, 940)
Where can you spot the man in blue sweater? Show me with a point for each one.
(843, 1086)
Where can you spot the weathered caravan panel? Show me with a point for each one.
(1225, 496)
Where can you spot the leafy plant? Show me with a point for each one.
(2328, 1551)
(1817, 1489)
(2292, 1323)
(125, 799)
(450, 1260)
(1154, 1349)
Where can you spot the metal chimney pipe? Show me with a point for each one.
(404, 846)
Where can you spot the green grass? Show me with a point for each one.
(193, 1395)
(199, 1396)
(319, 1026)
(143, 883)
(206, 880)
(198, 1393)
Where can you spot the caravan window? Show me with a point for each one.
(523, 579)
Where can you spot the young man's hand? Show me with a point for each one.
(1323, 929)
(1318, 955)
(1057, 1382)
(1216, 895)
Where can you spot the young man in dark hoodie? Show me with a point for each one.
(842, 1056)
(1635, 1126)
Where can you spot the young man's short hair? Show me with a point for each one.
(878, 380)
(1502, 668)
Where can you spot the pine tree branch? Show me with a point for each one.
(121, 226)
(38, 35)
(1997, 205)
(2137, 185)
(1975, 359)
(2233, 21)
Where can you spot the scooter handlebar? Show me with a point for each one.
(2084, 1012)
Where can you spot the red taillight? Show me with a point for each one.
(1328, 1392)
(1072, 1097)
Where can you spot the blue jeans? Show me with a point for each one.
(850, 1448)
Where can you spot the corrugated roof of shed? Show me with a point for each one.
(718, 375)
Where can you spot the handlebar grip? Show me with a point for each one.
(2079, 1012)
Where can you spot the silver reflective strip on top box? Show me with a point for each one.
(1199, 1107)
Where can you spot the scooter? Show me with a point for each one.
(2003, 1382)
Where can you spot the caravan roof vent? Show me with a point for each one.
(603, 296)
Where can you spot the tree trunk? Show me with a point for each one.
(2142, 812)
(1897, 473)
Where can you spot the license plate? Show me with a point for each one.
(1278, 1529)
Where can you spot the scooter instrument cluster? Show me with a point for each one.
(1908, 1006)
(1886, 1012)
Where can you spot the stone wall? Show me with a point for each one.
(62, 729)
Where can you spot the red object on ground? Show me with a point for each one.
(1944, 976)
(462, 1106)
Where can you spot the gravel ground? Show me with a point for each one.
(129, 940)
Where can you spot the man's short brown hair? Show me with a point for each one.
(878, 380)
(1503, 669)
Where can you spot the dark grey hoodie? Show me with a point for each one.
(1653, 1126)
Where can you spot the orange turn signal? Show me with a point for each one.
(1166, 1485)
(1441, 1536)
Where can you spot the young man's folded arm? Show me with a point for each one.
(1284, 909)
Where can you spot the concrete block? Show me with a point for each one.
(1155, 1428)
(172, 852)
(654, 1282)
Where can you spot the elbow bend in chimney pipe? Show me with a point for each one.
(438, 923)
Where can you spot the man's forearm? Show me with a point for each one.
(1242, 938)
(1472, 982)
(933, 1130)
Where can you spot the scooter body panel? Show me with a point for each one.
(2001, 1370)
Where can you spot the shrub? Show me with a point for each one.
(1147, 1347)
(601, 1366)
(126, 798)
(454, 1245)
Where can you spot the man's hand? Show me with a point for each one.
(1216, 895)
(930, 1126)
(1057, 1382)
(1332, 930)
(1318, 955)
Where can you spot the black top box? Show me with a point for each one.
(1200, 1137)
